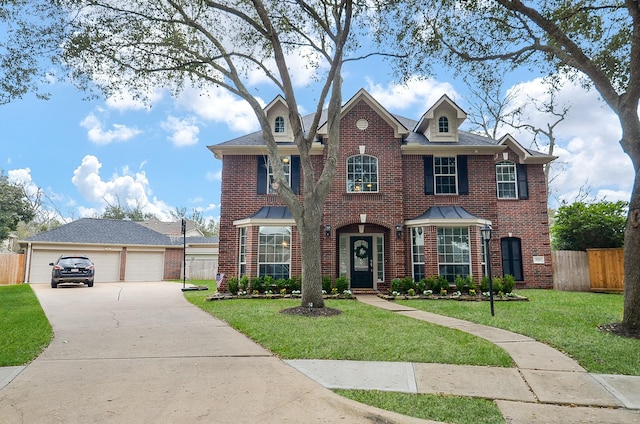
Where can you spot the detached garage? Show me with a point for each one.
(121, 251)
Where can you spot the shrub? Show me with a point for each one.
(470, 283)
(444, 283)
(508, 283)
(396, 285)
(497, 284)
(421, 285)
(326, 283)
(257, 284)
(243, 284)
(407, 284)
(232, 284)
(460, 282)
(282, 284)
(295, 283)
(342, 284)
(269, 282)
(484, 284)
(433, 284)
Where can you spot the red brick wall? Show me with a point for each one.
(401, 197)
(173, 261)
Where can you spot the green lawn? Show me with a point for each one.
(567, 321)
(361, 332)
(24, 329)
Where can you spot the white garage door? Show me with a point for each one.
(144, 266)
(107, 265)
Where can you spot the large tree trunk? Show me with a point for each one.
(631, 320)
(311, 263)
(631, 144)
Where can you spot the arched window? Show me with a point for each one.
(506, 180)
(279, 125)
(443, 124)
(362, 174)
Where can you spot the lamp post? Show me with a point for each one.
(485, 232)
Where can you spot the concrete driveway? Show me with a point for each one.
(140, 353)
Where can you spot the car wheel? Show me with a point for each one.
(53, 284)
(90, 284)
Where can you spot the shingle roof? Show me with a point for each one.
(465, 138)
(102, 231)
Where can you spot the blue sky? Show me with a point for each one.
(85, 154)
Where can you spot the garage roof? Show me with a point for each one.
(102, 231)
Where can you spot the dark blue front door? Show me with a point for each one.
(361, 262)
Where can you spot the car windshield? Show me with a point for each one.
(74, 262)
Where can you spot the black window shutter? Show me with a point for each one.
(295, 174)
(463, 175)
(428, 174)
(262, 175)
(523, 185)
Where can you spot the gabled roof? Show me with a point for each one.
(413, 141)
(102, 231)
(525, 155)
(399, 130)
(429, 115)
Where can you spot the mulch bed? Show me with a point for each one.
(311, 312)
(619, 330)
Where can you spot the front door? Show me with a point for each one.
(361, 262)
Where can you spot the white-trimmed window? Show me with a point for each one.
(443, 124)
(444, 174)
(453, 252)
(242, 260)
(417, 253)
(380, 254)
(286, 167)
(362, 174)
(279, 125)
(274, 252)
(506, 180)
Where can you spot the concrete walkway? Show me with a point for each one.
(140, 353)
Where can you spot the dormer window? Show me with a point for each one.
(279, 125)
(443, 124)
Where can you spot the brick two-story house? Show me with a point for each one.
(408, 199)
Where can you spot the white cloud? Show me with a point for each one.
(97, 134)
(125, 101)
(416, 94)
(587, 142)
(219, 105)
(184, 131)
(23, 178)
(214, 176)
(127, 190)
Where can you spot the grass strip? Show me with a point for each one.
(448, 409)
(24, 329)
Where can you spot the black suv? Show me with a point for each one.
(72, 269)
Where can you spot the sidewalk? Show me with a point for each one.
(545, 387)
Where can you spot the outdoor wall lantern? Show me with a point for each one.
(485, 232)
(399, 230)
(327, 230)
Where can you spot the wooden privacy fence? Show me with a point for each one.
(606, 269)
(11, 268)
(594, 270)
(570, 270)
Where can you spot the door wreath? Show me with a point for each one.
(361, 252)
